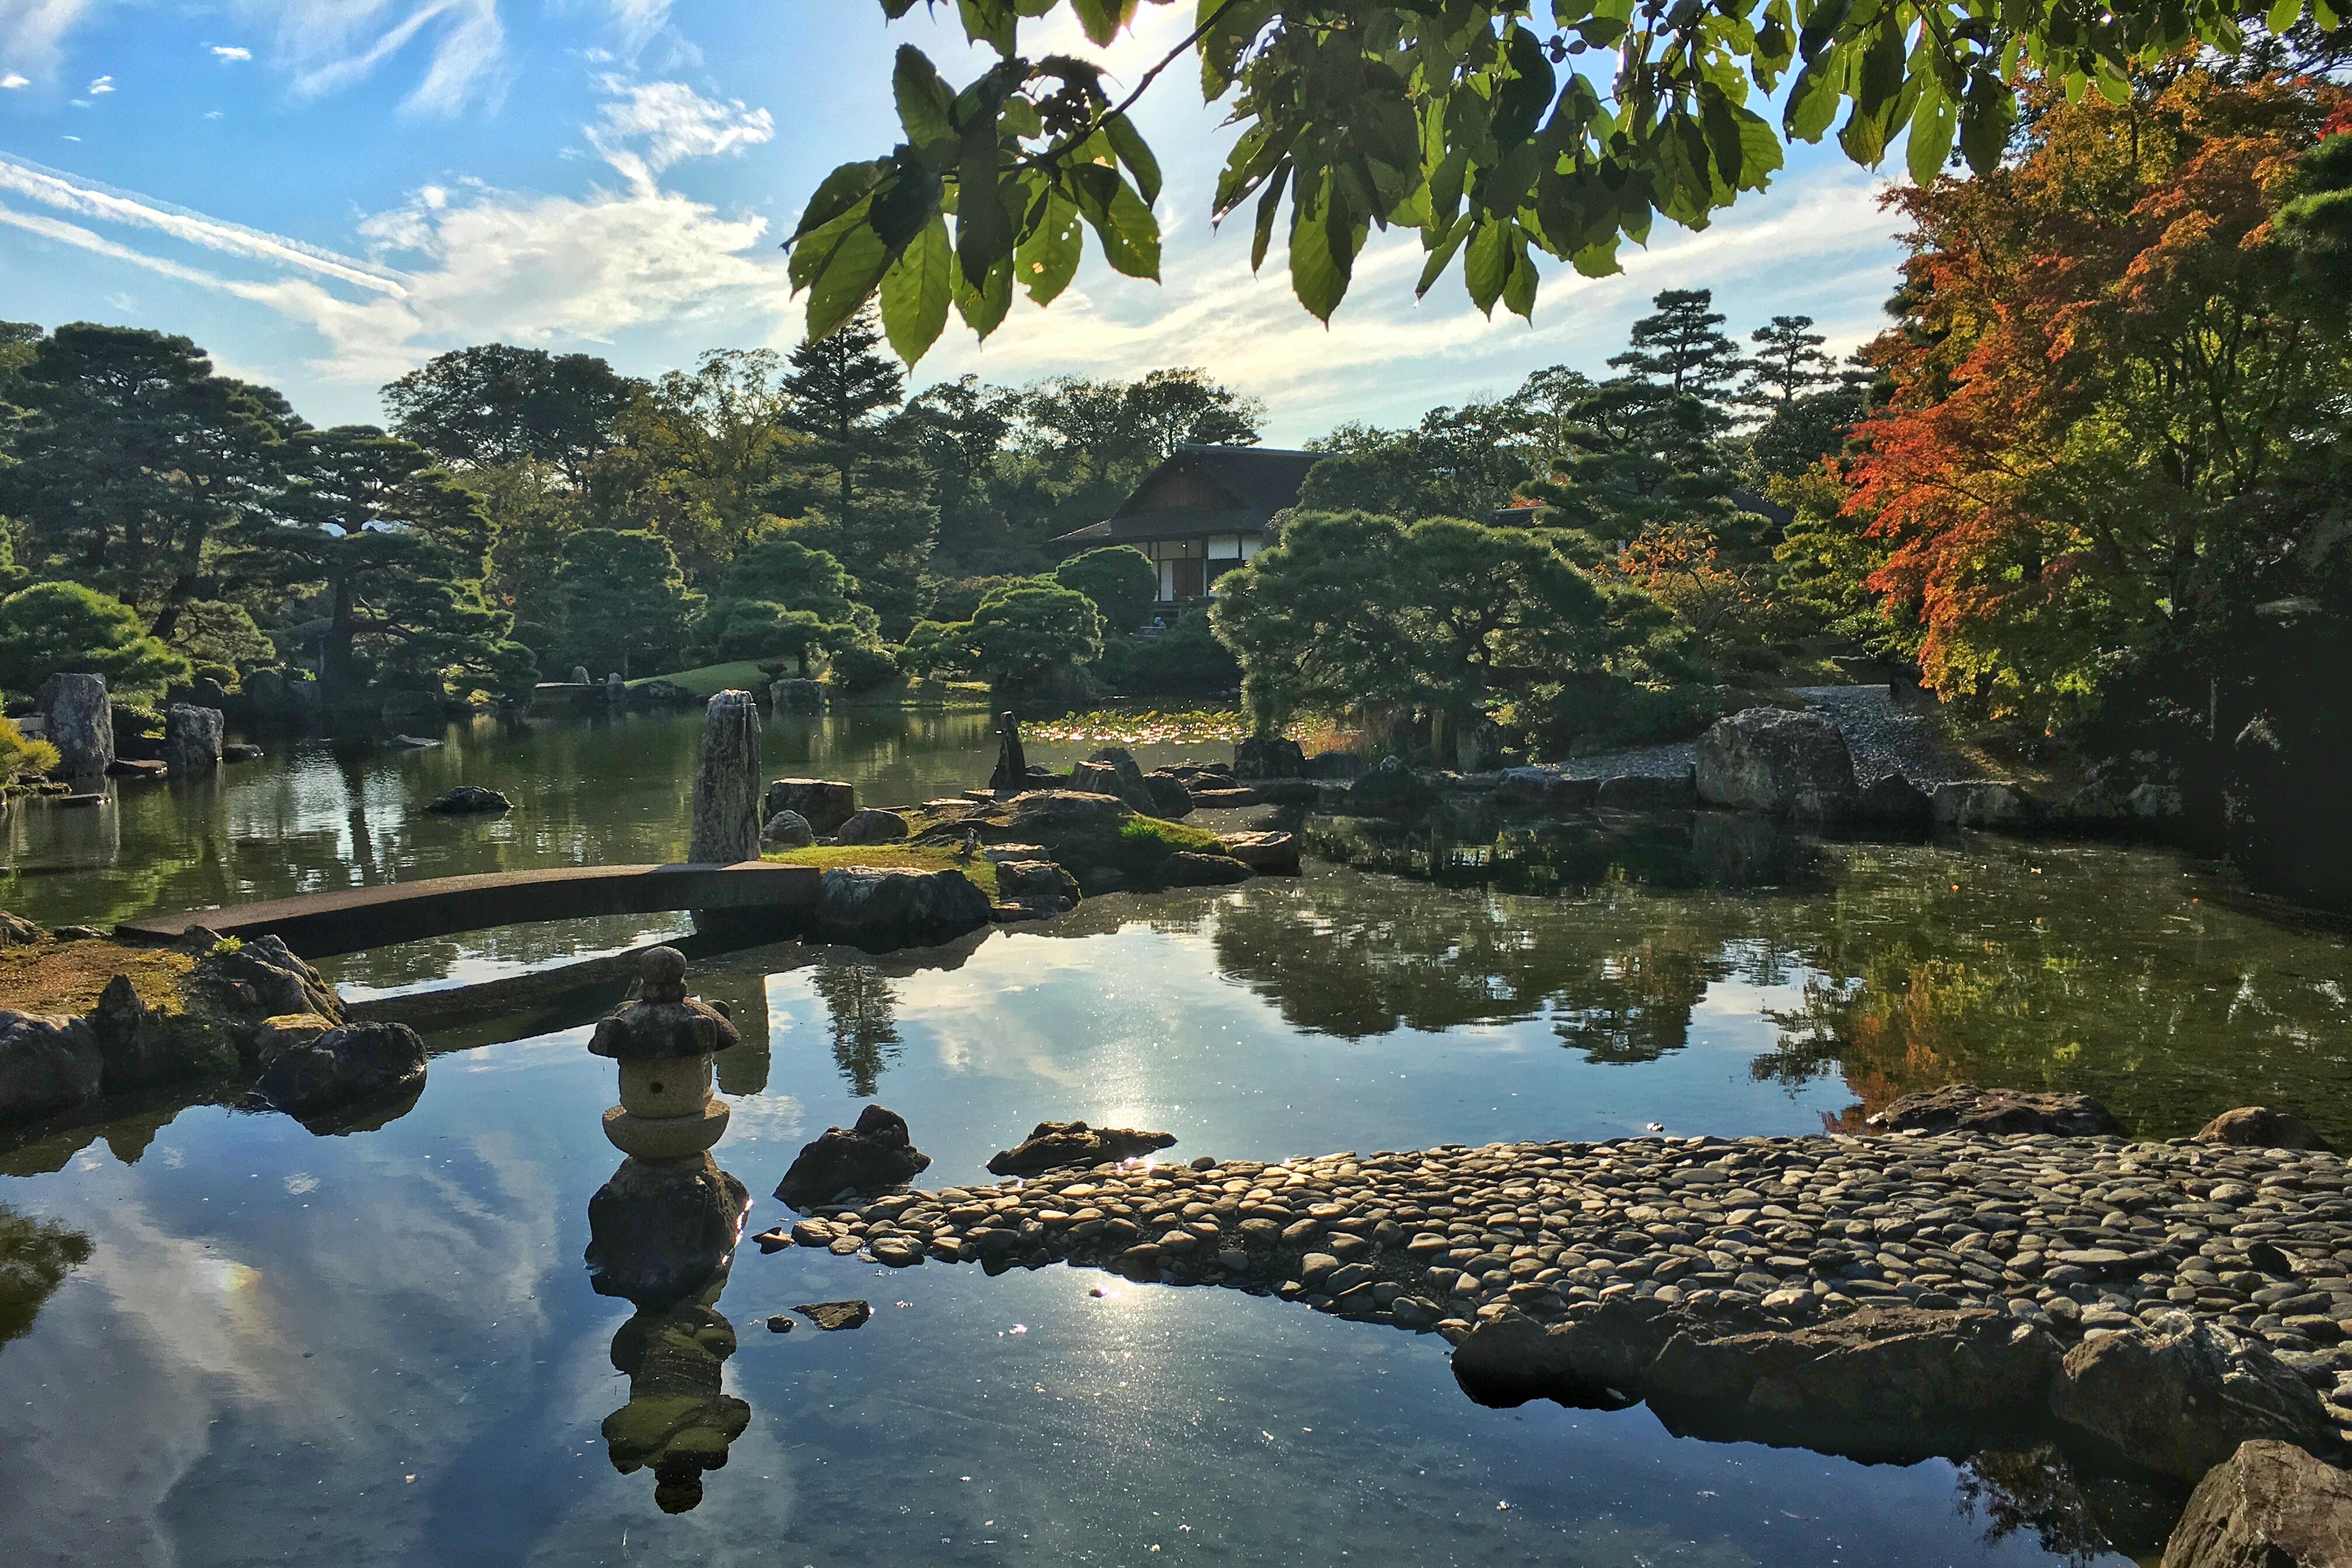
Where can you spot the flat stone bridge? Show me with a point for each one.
(350, 920)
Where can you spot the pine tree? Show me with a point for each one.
(838, 388)
(1634, 453)
(1680, 348)
(1789, 363)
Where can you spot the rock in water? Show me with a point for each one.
(1895, 801)
(1187, 870)
(2269, 1505)
(727, 784)
(1980, 803)
(1056, 1145)
(660, 1229)
(2259, 1127)
(1268, 757)
(871, 825)
(831, 1316)
(1965, 1108)
(825, 804)
(80, 723)
(1647, 792)
(2180, 1395)
(1036, 879)
(1269, 853)
(874, 1154)
(578, 674)
(1012, 764)
(344, 1066)
(1775, 761)
(1390, 790)
(1169, 798)
(787, 830)
(192, 739)
(879, 908)
(469, 800)
(46, 1065)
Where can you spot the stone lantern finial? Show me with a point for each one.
(664, 1042)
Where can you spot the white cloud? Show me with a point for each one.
(329, 45)
(463, 262)
(228, 52)
(672, 121)
(13, 82)
(32, 31)
(100, 85)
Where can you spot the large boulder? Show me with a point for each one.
(1073, 1145)
(1391, 789)
(1024, 879)
(825, 804)
(1775, 761)
(81, 720)
(1894, 801)
(2180, 1395)
(1980, 803)
(787, 830)
(356, 1063)
(871, 1157)
(1597, 1359)
(2004, 1112)
(2259, 1127)
(725, 813)
(1267, 853)
(136, 1044)
(871, 825)
(1268, 757)
(658, 694)
(2269, 1505)
(1168, 796)
(470, 800)
(1078, 828)
(1187, 870)
(876, 908)
(1883, 1383)
(192, 739)
(1647, 792)
(1341, 765)
(46, 1065)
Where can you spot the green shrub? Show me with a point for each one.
(53, 628)
(1146, 841)
(862, 666)
(20, 758)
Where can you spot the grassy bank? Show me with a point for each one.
(891, 857)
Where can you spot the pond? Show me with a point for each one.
(265, 1345)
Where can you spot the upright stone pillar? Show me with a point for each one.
(192, 739)
(1012, 764)
(727, 784)
(82, 723)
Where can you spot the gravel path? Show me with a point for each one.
(2074, 1233)
(1884, 739)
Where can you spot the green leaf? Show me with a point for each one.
(1521, 98)
(1128, 233)
(1128, 144)
(1441, 256)
(2283, 15)
(1762, 150)
(1934, 122)
(989, 22)
(983, 305)
(1269, 208)
(845, 278)
(1822, 24)
(925, 104)
(1985, 121)
(841, 190)
(1102, 19)
(1048, 258)
(916, 291)
(2325, 15)
(1519, 283)
(983, 223)
(1487, 267)
(904, 203)
(1317, 275)
(1813, 100)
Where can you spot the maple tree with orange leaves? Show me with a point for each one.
(2109, 365)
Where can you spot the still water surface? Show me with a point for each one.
(383, 1348)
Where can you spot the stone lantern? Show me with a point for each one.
(669, 1218)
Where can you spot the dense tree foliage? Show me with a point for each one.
(495, 405)
(1119, 579)
(625, 603)
(1025, 636)
(1451, 117)
(51, 629)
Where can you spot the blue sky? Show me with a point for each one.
(324, 193)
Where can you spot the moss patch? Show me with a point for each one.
(66, 977)
(891, 857)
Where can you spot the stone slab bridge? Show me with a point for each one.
(350, 920)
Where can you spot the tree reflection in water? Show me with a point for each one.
(35, 1255)
(2103, 968)
(863, 1018)
(2072, 1515)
